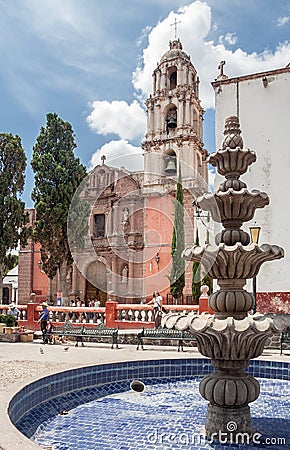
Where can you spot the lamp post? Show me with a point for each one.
(157, 259)
(255, 234)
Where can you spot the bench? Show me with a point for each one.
(285, 337)
(100, 331)
(65, 331)
(164, 334)
(81, 331)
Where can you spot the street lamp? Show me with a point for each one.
(157, 259)
(255, 234)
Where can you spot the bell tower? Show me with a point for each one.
(174, 122)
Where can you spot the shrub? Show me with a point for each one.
(8, 320)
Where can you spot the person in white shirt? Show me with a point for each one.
(157, 307)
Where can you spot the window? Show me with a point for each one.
(172, 77)
(6, 296)
(99, 225)
(173, 80)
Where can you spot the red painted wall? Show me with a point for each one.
(159, 216)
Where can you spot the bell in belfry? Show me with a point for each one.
(171, 123)
(171, 167)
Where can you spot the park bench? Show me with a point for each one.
(65, 331)
(81, 332)
(285, 338)
(100, 331)
(164, 334)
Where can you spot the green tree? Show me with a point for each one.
(196, 281)
(199, 278)
(11, 262)
(13, 217)
(177, 275)
(58, 173)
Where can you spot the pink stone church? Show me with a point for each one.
(127, 253)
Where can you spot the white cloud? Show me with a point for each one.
(128, 121)
(119, 153)
(229, 38)
(211, 178)
(281, 21)
(144, 35)
(117, 117)
(205, 55)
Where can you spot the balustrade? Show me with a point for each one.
(113, 314)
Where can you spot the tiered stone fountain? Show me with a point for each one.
(231, 337)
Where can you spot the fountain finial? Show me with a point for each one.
(232, 133)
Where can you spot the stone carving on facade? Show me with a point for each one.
(204, 291)
(222, 75)
(124, 274)
(125, 215)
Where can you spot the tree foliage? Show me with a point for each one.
(196, 280)
(78, 219)
(58, 174)
(11, 261)
(13, 217)
(199, 278)
(177, 275)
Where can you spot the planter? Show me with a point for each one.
(7, 330)
(9, 337)
(26, 337)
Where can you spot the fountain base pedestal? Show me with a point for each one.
(228, 424)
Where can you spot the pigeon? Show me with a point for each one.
(65, 349)
(41, 350)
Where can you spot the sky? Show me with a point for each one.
(91, 62)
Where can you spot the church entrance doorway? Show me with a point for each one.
(96, 282)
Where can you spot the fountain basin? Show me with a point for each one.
(235, 262)
(44, 399)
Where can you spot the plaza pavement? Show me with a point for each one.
(22, 363)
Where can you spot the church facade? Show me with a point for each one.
(127, 251)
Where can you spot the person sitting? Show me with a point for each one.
(13, 311)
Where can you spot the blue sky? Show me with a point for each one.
(91, 61)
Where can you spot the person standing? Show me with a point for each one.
(157, 305)
(43, 319)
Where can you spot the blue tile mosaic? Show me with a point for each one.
(166, 416)
(102, 386)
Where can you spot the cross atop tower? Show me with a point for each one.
(103, 158)
(175, 27)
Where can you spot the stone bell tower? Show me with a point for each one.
(174, 127)
(173, 140)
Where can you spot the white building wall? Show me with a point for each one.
(264, 114)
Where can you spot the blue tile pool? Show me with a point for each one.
(102, 413)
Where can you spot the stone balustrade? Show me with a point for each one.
(114, 314)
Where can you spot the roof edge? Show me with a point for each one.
(250, 76)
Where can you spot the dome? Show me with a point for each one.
(175, 51)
